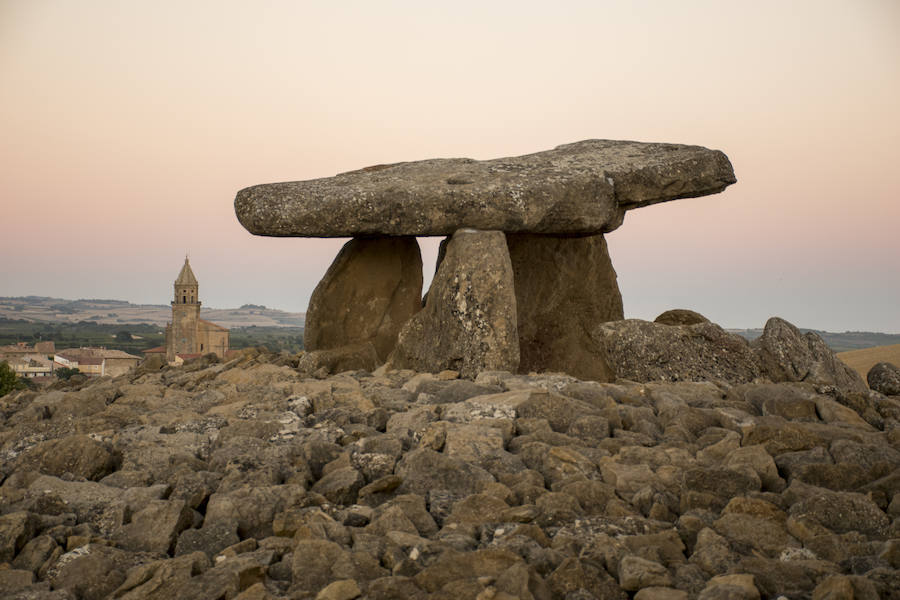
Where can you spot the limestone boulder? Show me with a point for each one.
(786, 354)
(370, 290)
(884, 378)
(564, 287)
(469, 320)
(644, 351)
(579, 188)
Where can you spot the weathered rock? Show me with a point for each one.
(785, 354)
(843, 586)
(94, 571)
(352, 357)
(76, 454)
(424, 470)
(341, 485)
(739, 586)
(343, 589)
(455, 566)
(564, 287)
(841, 511)
(579, 188)
(370, 290)
(469, 320)
(636, 573)
(645, 351)
(209, 539)
(680, 316)
(885, 378)
(34, 556)
(15, 531)
(156, 527)
(253, 509)
(162, 578)
(14, 582)
(573, 577)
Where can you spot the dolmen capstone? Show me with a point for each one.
(524, 274)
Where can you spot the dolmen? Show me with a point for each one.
(523, 275)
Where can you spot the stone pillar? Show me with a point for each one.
(469, 320)
(564, 287)
(370, 290)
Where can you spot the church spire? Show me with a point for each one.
(186, 276)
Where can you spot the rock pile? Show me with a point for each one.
(251, 480)
(528, 304)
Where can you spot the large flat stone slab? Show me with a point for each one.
(580, 188)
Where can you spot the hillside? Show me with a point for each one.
(42, 309)
(839, 342)
(863, 360)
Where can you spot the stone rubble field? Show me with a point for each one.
(254, 480)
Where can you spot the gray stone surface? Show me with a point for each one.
(644, 351)
(469, 320)
(884, 377)
(786, 354)
(512, 486)
(579, 188)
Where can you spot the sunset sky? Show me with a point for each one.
(127, 127)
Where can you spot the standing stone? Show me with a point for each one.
(469, 320)
(370, 290)
(565, 286)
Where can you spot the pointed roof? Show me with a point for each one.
(186, 277)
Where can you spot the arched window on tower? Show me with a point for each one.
(184, 299)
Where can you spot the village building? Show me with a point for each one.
(30, 366)
(22, 349)
(96, 362)
(187, 335)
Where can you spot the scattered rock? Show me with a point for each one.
(644, 351)
(785, 354)
(884, 378)
(247, 480)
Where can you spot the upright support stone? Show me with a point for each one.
(564, 286)
(370, 290)
(469, 320)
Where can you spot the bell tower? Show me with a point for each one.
(185, 315)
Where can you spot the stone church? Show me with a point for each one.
(188, 335)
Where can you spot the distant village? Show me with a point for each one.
(187, 336)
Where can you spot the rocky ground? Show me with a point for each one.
(250, 479)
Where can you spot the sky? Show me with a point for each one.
(128, 127)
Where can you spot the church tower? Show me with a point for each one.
(185, 315)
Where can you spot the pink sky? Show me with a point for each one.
(128, 128)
